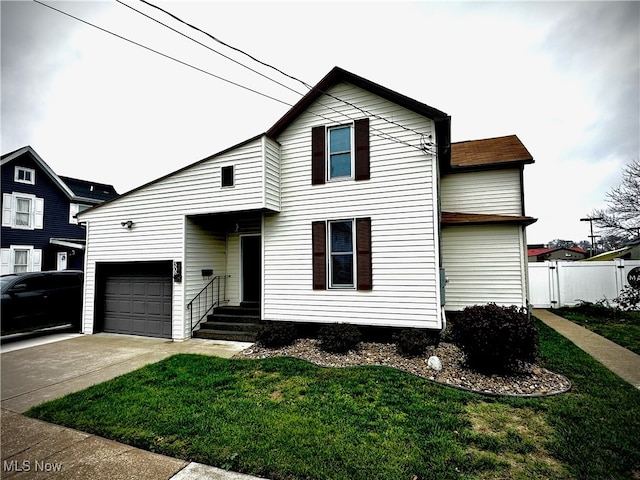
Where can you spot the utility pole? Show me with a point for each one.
(592, 236)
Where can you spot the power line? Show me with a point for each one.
(208, 47)
(424, 145)
(373, 130)
(164, 54)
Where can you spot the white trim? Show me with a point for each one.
(67, 242)
(16, 175)
(354, 268)
(328, 129)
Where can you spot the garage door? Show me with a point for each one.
(137, 298)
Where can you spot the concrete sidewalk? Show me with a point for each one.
(36, 371)
(622, 362)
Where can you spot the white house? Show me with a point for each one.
(353, 207)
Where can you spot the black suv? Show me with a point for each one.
(41, 299)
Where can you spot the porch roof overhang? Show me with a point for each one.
(456, 219)
(69, 242)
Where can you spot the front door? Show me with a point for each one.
(61, 264)
(251, 267)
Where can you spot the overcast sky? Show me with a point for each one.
(564, 77)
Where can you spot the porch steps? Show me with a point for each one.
(239, 324)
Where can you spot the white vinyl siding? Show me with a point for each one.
(484, 264)
(271, 175)
(399, 199)
(158, 213)
(495, 192)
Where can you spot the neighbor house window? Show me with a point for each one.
(20, 261)
(341, 252)
(74, 209)
(227, 176)
(340, 152)
(340, 158)
(25, 175)
(23, 211)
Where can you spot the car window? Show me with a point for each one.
(33, 283)
(65, 280)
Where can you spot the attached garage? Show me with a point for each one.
(135, 299)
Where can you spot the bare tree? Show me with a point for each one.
(621, 217)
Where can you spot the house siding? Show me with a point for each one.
(399, 200)
(484, 264)
(55, 221)
(491, 192)
(158, 213)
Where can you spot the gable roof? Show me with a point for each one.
(336, 75)
(489, 152)
(77, 195)
(88, 189)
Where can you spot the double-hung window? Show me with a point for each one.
(20, 260)
(340, 152)
(341, 252)
(24, 208)
(340, 163)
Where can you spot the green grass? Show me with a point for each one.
(623, 329)
(287, 419)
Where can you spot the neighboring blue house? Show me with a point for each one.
(39, 228)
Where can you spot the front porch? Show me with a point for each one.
(222, 272)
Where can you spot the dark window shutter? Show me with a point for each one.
(363, 251)
(317, 155)
(362, 149)
(319, 233)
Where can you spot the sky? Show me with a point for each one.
(562, 76)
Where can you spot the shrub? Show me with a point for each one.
(277, 334)
(629, 298)
(496, 338)
(412, 342)
(339, 337)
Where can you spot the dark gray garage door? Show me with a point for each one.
(137, 298)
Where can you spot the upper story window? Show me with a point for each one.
(74, 209)
(226, 174)
(25, 175)
(340, 158)
(23, 211)
(340, 152)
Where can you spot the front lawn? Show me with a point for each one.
(284, 418)
(620, 327)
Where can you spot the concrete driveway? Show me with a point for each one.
(39, 370)
(40, 373)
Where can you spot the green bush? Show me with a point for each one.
(339, 337)
(277, 334)
(412, 342)
(496, 338)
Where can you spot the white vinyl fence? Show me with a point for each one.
(557, 284)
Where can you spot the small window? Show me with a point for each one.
(340, 158)
(25, 175)
(74, 209)
(227, 176)
(341, 254)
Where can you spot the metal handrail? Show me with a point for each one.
(208, 300)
